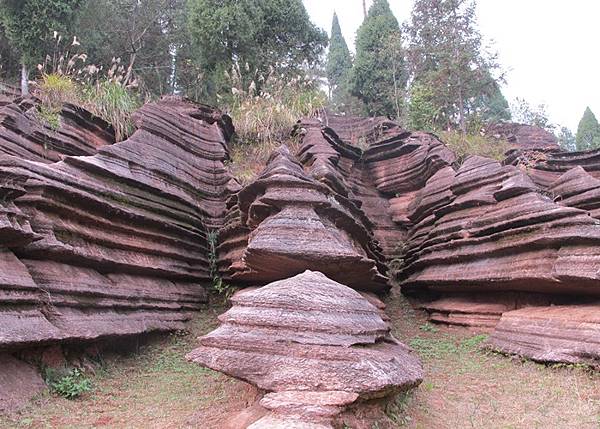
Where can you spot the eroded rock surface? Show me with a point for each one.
(308, 338)
(486, 227)
(546, 166)
(24, 134)
(559, 333)
(115, 243)
(19, 382)
(294, 223)
(523, 136)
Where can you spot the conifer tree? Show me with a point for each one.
(588, 131)
(339, 61)
(378, 77)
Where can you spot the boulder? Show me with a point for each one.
(19, 382)
(316, 343)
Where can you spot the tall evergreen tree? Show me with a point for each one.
(30, 25)
(339, 61)
(378, 77)
(446, 54)
(588, 131)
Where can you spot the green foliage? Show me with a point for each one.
(268, 114)
(269, 34)
(49, 116)
(588, 132)
(141, 33)
(447, 57)
(475, 144)
(71, 385)
(112, 102)
(567, 140)
(30, 25)
(422, 111)
(339, 62)
(378, 77)
(525, 113)
(441, 348)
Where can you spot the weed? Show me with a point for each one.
(433, 348)
(428, 327)
(49, 116)
(71, 385)
(218, 285)
(472, 343)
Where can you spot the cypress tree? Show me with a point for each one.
(339, 62)
(588, 131)
(378, 77)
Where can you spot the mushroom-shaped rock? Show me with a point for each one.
(309, 334)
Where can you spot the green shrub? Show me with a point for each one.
(71, 385)
(114, 103)
(474, 144)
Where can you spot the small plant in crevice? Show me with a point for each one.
(218, 285)
(69, 385)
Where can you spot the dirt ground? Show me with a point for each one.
(465, 387)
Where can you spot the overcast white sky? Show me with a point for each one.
(550, 49)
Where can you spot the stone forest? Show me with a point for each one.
(214, 214)
(106, 240)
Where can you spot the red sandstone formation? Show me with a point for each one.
(578, 188)
(24, 135)
(522, 136)
(486, 227)
(356, 130)
(82, 237)
(316, 343)
(567, 333)
(296, 223)
(546, 166)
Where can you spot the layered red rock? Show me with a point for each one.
(297, 223)
(562, 333)
(577, 188)
(115, 243)
(25, 135)
(341, 167)
(18, 383)
(357, 130)
(522, 136)
(308, 338)
(546, 166)
(481, 310)
(487, 228)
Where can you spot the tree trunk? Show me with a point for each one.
(24, 80)
(130, 68)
